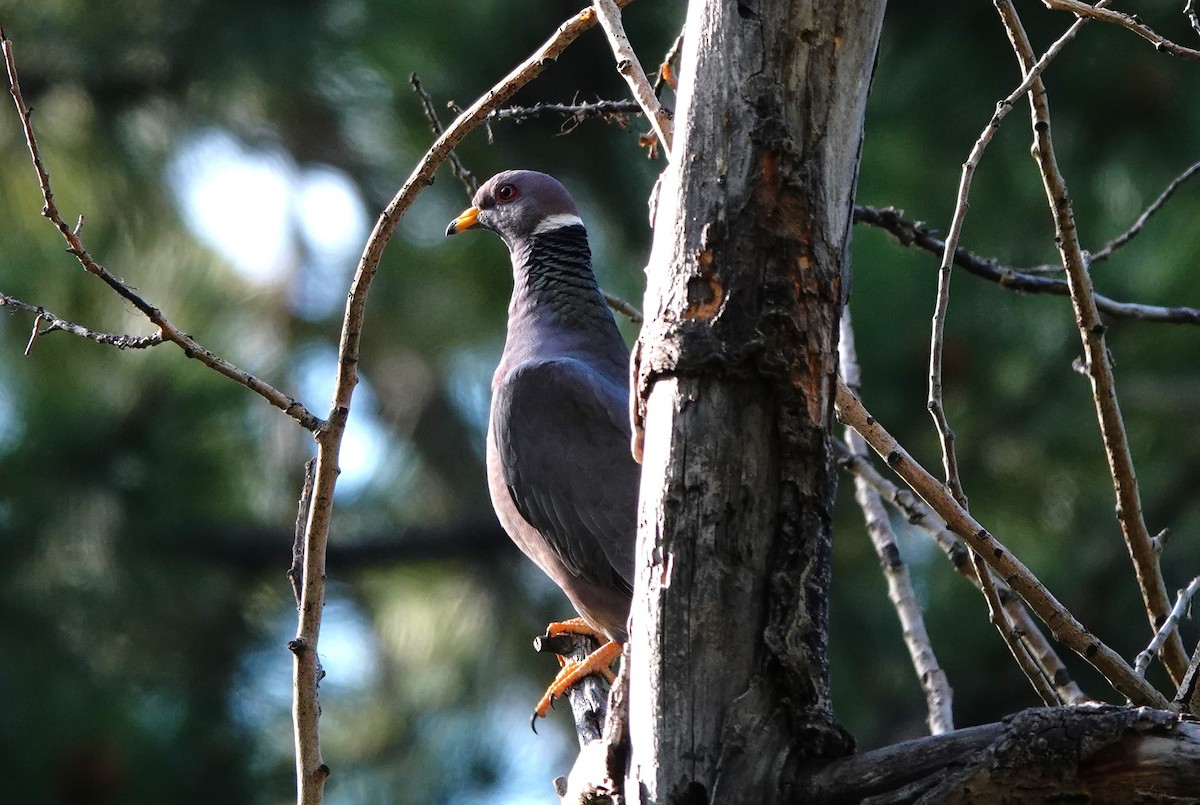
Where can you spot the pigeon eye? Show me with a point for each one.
(506, 192)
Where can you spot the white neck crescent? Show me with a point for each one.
(556, 221)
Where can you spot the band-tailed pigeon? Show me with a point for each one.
(560, 472)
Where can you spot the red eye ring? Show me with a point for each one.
(506, 192)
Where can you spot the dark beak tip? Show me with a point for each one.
(450, 230)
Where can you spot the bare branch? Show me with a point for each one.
(1063, 625)
(1097, 361)
(939, 697)
(919, 514)
(1189, 10)
(613, 111)
(1127, 21)
(191, 348)
(935, 401)
(456, 166)
(56, 324)
(621, 306)
(631, 69)
(910, 233)
(1029, 666)
(311, 771)
(1182, 603)
(1187, 698)
(295, 573)
(1120, 240)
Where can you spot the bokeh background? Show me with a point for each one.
(230, 159)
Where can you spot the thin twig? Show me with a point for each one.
(1029, 666)
(56, 324)
(935, 402)
(918, 513)
(311, 772)
(1097, 361)
(1120, 240)
(573, 112)
(1063, 625)
(1126, 21)
(191, 348)
(939, 696)
(910, 233)
(621, 306)
(1182, 603)
(456, 166)
(295, 573)
(1187, 698)
(1189, 11)
(631, 70)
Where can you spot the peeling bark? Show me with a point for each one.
(735, 372)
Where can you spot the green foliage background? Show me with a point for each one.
(146, 503)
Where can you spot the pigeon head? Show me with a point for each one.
(516, 205)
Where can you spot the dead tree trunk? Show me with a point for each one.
(735, 374)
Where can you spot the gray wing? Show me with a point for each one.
(562, 435)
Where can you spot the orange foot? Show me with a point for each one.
(572, 671)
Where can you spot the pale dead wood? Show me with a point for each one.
(939, 696)
(1183, 603)
(631, 70)
(1096, 356)
(1063, 625)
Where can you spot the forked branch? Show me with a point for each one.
(169, 332)
(936, 401)
(917, 512)
(55, 323)
(1182, 604)
(1126, 21)
(1097, 362)
(631, 70)
(1063, 625)
(912, 233)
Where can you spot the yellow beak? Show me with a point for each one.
(466, 219)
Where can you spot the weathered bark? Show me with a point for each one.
(735, 373)
(1084, 754)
